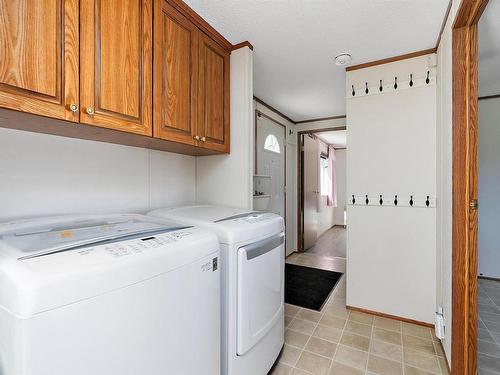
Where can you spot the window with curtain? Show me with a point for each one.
(324, 175)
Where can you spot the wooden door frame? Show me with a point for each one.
(300, 213)
(464, 237)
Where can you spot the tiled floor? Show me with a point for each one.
(332, 243)
(489, 327)
(338, 341)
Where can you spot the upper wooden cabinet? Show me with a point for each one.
(175, 75)
(213, 97)
(39, 57)
(116, 64)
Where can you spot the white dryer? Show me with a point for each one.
(108, 295)
(252, 265)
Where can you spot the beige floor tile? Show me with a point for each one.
(417, 343)
(438, 348)
(327, 333)
(355, 341)
(332, 321)
(281, 369)
(351, 357)
(340, 369)
(387, 336)
(409, 370)
(383, 366)
(296, 339)
(358, 328)
(336, 310)
(313, 363)
(443, 364)
(302, 326)
(421, 360)
(291, 310)
(288, 320)
(321, 347)
(312, 316)
(360, 317)
(297, 371)
(386, 350)
(289, 355)
(415, 330)
(389, 324)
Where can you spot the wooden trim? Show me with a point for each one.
(443, 25)
(260, 101)
(389, 316)
(392, 59)
(203, 25)
(246, 43)
(489, 97)
(320, 119)
(464, 232)
(269, 118)
(332, 129)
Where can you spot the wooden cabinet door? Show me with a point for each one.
(39, 57)
(175, 75)
(116, 64)
(213, 113)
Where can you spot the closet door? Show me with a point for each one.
(116, 64)
(175, 75)
(39, 57)
(213, 115)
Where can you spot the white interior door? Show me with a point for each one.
(310, 191)
(271, 162)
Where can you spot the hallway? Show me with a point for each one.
(332, 243)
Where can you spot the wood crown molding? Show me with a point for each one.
(246, 43)
(320, 119)
(194, 17)
(392, 59)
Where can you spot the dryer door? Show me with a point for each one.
(260, 290)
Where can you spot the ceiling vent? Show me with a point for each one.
(343, 59)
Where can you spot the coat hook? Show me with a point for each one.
(366, 90)
(396, 200)
(411, 200)
(353, 92)
(427, 80)
(411, 80)
(380, 88)
(427, 202)
(381, 201)
(366, 199)
(353, 200)
(395, 83)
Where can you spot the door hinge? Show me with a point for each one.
(473, 204)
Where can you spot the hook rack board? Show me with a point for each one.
(396, 84)
(389, 200)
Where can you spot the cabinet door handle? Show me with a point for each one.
(203, 139)
(90, 111)
(73, 108)
(197, 137)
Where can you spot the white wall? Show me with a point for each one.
(46, 175)
(227, 179)
(391, 139)
(340, 175)
(488, 188)
(291, 176)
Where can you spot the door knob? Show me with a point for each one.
(473, 204)
(73, 108)
(90, 111)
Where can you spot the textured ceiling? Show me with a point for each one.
(337, 138)
(489, 50)
(296, 40)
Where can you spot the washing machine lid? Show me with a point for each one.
(52, 262)
(232, 225)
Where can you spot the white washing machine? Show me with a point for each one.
(108, 295)
(252, 264)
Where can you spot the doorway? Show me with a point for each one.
(322, 192)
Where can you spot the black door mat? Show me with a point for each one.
(308, 287)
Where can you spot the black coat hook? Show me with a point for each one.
(380, 87)
(427, 80)
(411, 80)
(366, 199)
(353, 200)
(353, 92)
(381, 201)
(427, 202)
(396, 200)
(366, 90)
(411, 200)
(395, 83)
